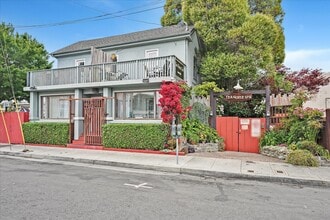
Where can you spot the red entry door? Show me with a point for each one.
(227, 127)
(241, 134)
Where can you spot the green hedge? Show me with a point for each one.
(46, 133)
(135, 136)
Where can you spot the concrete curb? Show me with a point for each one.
(186, 171)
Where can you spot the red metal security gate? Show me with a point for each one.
(241, 134)
(93, 120)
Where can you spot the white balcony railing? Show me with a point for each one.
(159, 67)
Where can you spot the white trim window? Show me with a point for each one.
(55, 107)
(80, 62)
(137, 105)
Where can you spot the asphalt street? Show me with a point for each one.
(44, 189)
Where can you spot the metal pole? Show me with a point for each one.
(267, 108)
(213, 109)
(177, 149)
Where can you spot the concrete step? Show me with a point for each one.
(84, 146)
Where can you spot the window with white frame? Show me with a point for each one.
(55, 107)
(137, 105)
(80, 62)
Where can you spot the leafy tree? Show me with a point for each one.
(277, 81)
(203, 90)
(213, 19)
(273, 9)
(241, 43)
(306, 80)
(244, 38)
(268, 7)
(19, 53)
(309, 79)
(255, 40)
(173, 13)
(279, 46)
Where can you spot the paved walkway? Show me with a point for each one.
(189, 164)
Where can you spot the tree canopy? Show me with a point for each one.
(244, 38)
(19, 53)
(173, 13)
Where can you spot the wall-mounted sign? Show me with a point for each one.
(244, 127)
(245, 121)
(238, 97)
(256, 127)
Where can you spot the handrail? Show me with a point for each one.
(156, 67)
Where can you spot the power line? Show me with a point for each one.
(94, 18)
(104, 12)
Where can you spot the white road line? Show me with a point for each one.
(142, 185)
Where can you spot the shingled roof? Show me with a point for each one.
(153, 34)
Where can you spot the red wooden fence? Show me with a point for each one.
(12, 122)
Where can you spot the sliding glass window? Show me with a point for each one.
(137, 105)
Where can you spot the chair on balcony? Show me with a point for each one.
(122, 76)
(110, 76)
(148, 73)
(154, 72)
(166, 68)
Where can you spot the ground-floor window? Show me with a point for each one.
(55, 107)
(137, 105)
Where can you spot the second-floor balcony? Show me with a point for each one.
(158, 68)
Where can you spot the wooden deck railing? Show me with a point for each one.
(169, 66)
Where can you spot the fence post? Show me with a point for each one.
(267, 108)
(213, 104)
(103, 73)
(327, 129)
(28, 79)
(77, 75)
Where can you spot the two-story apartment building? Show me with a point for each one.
(113, 79)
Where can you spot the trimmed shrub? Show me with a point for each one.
(302, 158)
(200, 112)
(313, 147)
(46, 133)
(197, 132)
(135, 136)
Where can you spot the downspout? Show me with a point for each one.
(188, 39)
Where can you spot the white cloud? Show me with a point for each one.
(313, 59)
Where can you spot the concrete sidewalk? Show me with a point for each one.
(191, 165)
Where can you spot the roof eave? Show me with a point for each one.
(160, 39)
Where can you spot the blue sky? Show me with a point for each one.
(306, 24)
